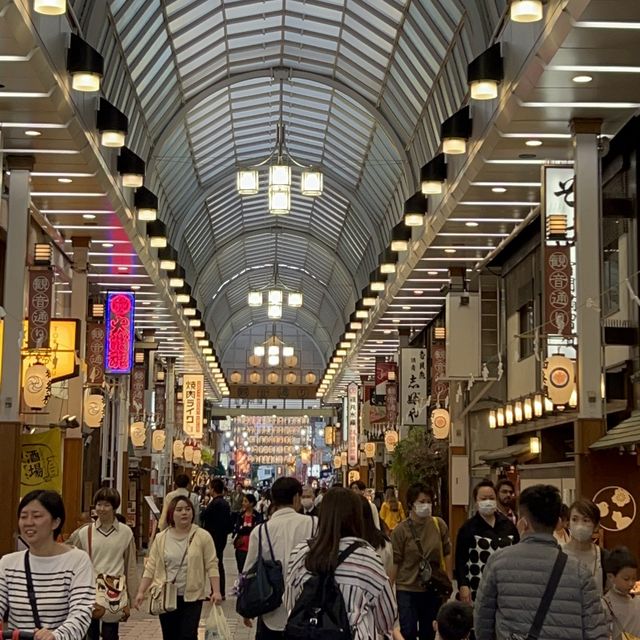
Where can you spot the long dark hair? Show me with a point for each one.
(370, 532)
(340, 516)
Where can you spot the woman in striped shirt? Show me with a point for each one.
(369, 600)
(63, 584)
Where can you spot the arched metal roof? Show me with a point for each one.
(361, 86)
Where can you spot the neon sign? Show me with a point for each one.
(118, 353)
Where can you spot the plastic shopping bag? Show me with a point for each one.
(216, 625)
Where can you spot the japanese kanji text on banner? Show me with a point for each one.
(414, 387)
(352, 408)
(193, 404)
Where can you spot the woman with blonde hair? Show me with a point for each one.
(183, 554)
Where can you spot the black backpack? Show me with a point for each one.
(320, 612)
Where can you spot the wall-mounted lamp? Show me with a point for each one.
(526, 10)
(176, 277)
(433, 175)
(190, 308)
(157, 234)
(85, 65)
(508, 414)
(500, 417)
(518, 414)
(196, 320)
(415, 209)
(535, 446)
(527, 409)
(183, 295)
(493, 420)
(146, 204)
(168, 257)
(50, 7)
(485, 73)
(131, 168)
(42, 254)
(455, 131)
(112, 124)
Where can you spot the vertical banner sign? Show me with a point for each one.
(352, 414)
(557, 297)
(95, 353)
(193, 401)
(391, 401)
(118, 357)
(40, 307)
(136, 396)
(160, 406)
(383, 368)
(439, 388)
(414, 387)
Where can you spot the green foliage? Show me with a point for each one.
(420, 458)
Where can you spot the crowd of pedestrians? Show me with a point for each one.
(327, 564)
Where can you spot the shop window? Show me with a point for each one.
(611, 279)
(526, 329)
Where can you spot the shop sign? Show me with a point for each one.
(440, 423)
(41, 461)
(382, 370)
(559, 377)
(40, 307)
(193, 404)
(61, 357)
(120, 333)
(352, 416)
(439, 387)
(136, 399)
(414, 386)
(391, 402)
(95, 353)
(558, 296)
(37, 386)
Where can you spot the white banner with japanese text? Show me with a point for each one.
(414, 387)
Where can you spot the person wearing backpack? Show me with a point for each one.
(337, 588)
(275, 542)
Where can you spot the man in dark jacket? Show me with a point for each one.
(216, 519)
(515, 579)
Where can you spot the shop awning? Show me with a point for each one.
(626, 433)
(506, 454)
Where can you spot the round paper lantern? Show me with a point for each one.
(291, 361)
(197, 455)
(178, 449)
(37, 386)
(291, 377)
(188, 453)
(158, 440)
(138, 434)
(440, 423)
(370, 449)
(255, 361)
(391, 440)
(93, 410)
(255, 377)
(310, 378)
(235, 377)
(273, 377)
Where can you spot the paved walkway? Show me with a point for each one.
(142, 626)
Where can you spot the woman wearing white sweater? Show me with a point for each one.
(184, 554)
(112, 550)
(50, 588)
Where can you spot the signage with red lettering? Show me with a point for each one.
(120, 333)
(95, 353)
(557, 298)
(40, 307)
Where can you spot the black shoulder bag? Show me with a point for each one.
(261, 588)
(31, 592)
(545, 603)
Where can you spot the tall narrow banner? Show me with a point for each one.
(136, 395)
(391, 401)
(557, 295)
(439, 387)
(95, 353)
(352, 432)
(193, 404)
(40, 307)
(414, 387)
(161, 405)
(120, 333)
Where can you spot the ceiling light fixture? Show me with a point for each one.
(32, 133)
(485, 73)
(157, 233)
(582, 79)
(433, 175)
(50, 7)
(131, 168)
(377, 280)
(112, 124)
(388, 261)
(88, 216)
(146, 204)
(470, 224)
(498, 190)
(415, 209)
(526, 10)
(176, 277)
(400, 236)
(533, 143)
(455, 131)
(85, 65)
(168, 257)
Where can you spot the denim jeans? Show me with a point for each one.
(417, 611)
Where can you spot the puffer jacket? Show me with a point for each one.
(512, 586)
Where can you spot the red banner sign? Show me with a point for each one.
(557, 296)
(120, 333)
(136, 397)
(40, 307)
(439, 388)
(95, 353)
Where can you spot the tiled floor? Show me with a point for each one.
(142, 626)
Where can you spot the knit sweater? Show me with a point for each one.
(65, 591)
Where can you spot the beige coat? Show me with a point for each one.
(202, 564)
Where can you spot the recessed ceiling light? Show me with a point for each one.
(499, 190)
(449, 250)
(123, 268)
(88, 216)
(406, 308)
(582, 79)
(32, 132)
(470, 224)
(387, 331)
(146, 303)
(65, 180)
(432, 273)
(135, 287)
(533, 143)
(418, 292)
(107, 245)
(396, 320)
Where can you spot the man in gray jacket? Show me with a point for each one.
(515, 579)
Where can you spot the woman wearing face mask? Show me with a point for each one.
(584, 519)
(246, 523)
(487, 531)
(308, 503)
(420, 538)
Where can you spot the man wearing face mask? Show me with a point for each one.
(421, 538)
(515, 580)
(480, 536)
(308, 502)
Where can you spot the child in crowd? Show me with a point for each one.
(454, 621)
(621, 605)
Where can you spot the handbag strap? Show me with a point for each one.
(89, 541)
(266, 531)
(184, 555)
(31, 592)
(549, 592)
(416, 539)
